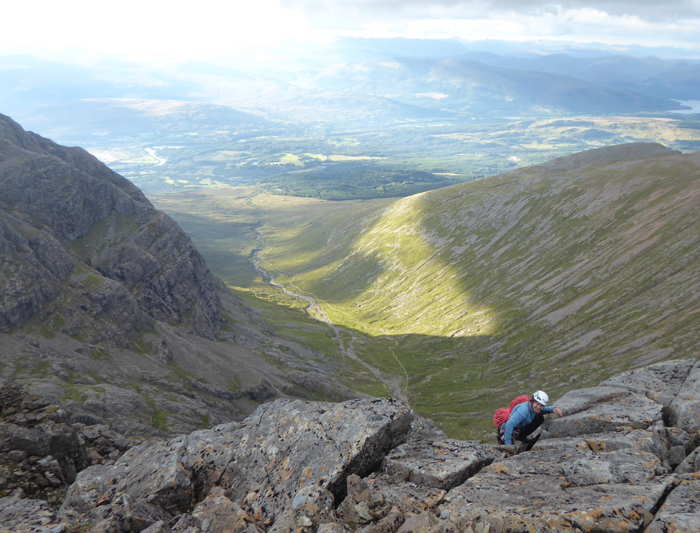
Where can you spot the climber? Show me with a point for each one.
(525, 419)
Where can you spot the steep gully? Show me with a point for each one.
(316, 311)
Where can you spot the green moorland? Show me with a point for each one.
(553, 276)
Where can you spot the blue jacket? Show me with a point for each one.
(521, 415)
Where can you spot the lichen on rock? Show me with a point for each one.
(373, 466)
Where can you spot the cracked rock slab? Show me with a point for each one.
(602, 508)
(431, 459)
(561, 490)
(660, 382)
(680, 512)
(288, 445)
(684, 411)
(602, 410)
(632, 441)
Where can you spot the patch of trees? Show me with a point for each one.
(354, 181)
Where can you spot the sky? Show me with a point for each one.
(211, 30)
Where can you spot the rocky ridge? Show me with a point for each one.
(108, 310)
(622, 458)
(42, 453)
(67, 217)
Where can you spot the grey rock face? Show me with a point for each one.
(680, 512)
(684, 411)
(660, 382)
(431, 459)
(262, 466)
(373, 466)
(601, 410)
(61, 208)
(690, 464)
(40, 454)
(24, 516)
(35, 265)
(301, 443)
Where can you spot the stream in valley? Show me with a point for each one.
(316, 311)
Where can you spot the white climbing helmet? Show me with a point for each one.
(541, 397)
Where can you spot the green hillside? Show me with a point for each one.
(551, 276)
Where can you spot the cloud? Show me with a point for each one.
(674, 23)
(651, 10)
(160, 28)
(643, 9)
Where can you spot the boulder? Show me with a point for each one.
(154, 475)
(287, 454)
(23, 516)
(290, 444)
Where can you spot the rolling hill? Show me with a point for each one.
(542, 277)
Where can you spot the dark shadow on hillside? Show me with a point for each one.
(584, 271)
(584, 274)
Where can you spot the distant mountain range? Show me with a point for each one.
(353, 82)
(474, 88)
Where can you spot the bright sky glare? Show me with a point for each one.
(209, 29)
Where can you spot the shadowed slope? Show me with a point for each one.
(563, 272)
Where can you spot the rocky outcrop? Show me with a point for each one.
(71, 229)
(107, 309)
(373, 466)
(41, 453)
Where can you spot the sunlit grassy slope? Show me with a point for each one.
(551, 277)
(223, 222)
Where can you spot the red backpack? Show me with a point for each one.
(503, 414)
